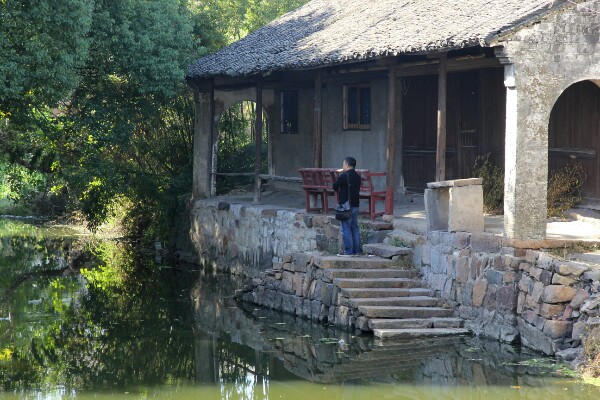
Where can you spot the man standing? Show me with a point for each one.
(348, 188)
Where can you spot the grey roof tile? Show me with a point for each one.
(333, 31)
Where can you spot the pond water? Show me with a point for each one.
(129, 326)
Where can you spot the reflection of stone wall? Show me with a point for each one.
(322, 353)
(247, 239)
(508, 293)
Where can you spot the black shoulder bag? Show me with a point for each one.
(342, 211)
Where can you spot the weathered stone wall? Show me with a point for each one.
(509, 293)
(548, 57)
(243, 239)
(298, 285)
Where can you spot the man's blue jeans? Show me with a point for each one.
(351, 233)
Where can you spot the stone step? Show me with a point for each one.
(386, 250)
(355, 293)
(408, 239)
(362, 262)
(414, 301)
(376, 283)
(404, 312)
(369, 273)
(418, 333)
(416, 323)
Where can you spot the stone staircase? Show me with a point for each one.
(387, 300)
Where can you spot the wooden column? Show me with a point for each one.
(440, 159)
(318, 122)
(391, 142)
(213, 139)
(258, 140)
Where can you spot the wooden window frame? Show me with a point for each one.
(347, 125)
(282, 131)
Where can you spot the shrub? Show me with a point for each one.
(564, 189)
(493, 184)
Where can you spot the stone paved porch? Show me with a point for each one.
(410, 214)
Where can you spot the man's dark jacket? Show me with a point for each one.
(341, 185)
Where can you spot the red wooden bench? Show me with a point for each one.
(319, 181)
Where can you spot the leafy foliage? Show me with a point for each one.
(92, 97)
(236, 150)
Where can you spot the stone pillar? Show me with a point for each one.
(525, 166)
(203, 151)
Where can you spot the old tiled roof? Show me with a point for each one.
(333, 31)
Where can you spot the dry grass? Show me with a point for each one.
(591, 348)
(493, 184)
(564, 189)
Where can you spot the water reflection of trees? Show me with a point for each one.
(129, 326)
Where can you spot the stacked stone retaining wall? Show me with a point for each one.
(298, 285)
(249, 239)
(510, 293)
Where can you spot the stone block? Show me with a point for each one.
(326, 293)
(467, 294)
(506, 298)
(386, 251)
(461, 240)
(288, 303)
(557, 329)
(520, 302)
(550, 311)
(315, 309)
(362, 323)
(593, 275)
(436, 208)
(580, 297)
(341, 316)
(559, 279)
(532, 303)
(546, 277)
(525, 284)
(299, 307)
(298, 283)
(485, 243)
(537, 292)
(287, 282)
(306, 308)
(524, 266)
(510, 276)
(490, 302)
(534, 338)
(531, 256)
(465, 210)
(571, 268)
(545, 261)
(479, 292)
(579, 330)
(558, 294)
(529, 316)
(590, 304)
(535, 273)
(462, 270)
(494, 277)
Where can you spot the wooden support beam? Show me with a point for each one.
(258, 141)
(440, 159)
(391, 143)
(213, 138)
(318, 122)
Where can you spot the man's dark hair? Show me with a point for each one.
(351, 161)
